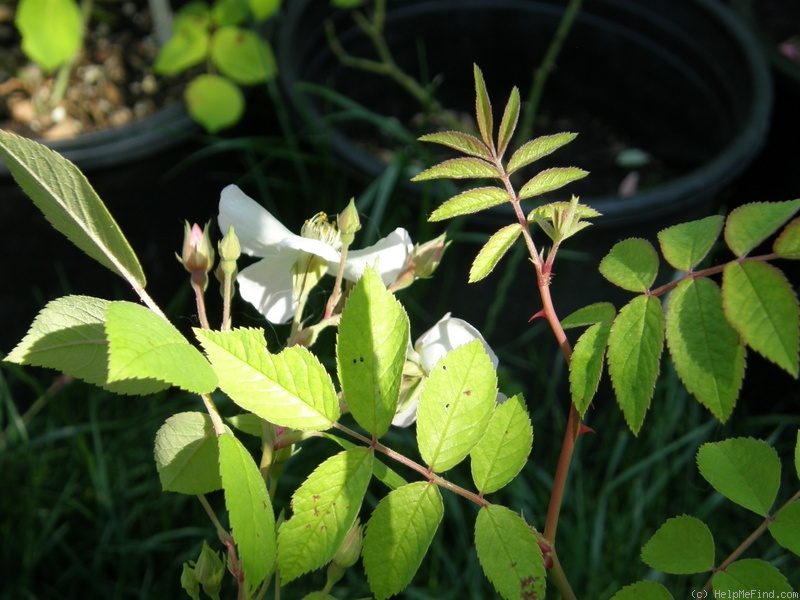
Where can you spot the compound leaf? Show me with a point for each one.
(686, 244)
(634, 350)
(398, 535)
(324, 509)
(749, 225)
(681, 546)
(631, 264)
(503, 450)
(290, 389)
(493, 251)
(249, 509)
(707, 352)
(509, 553)
(455, 405)
(187, 454)
(371, 351)
(761, 305)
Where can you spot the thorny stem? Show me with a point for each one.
(424, 471)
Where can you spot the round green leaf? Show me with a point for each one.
(242, 56)
(214, 102)
(751, 575)
(631, 264)
(52, 30)
(681, 546)
(643, 589)
(787, 244)
(744, 470)
(786, 527)
(187, 47)
(686, 244)
(187, 454)
(749, 225)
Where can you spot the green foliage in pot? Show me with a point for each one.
(445, 383)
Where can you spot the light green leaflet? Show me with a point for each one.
(762, 306)
(370, 352)
(69, 335)
(493, 251)
(249, 509)
(749, 225)
(787, 244)
(52, 30)
(459, 168)
(535, 149)
(509, 553)
(549, 180)
(686, 244)
(634, 351)
(469, 202)
(70, 204)
(143, 345)
(631, 264)
(748, 577)
(455, 406)
(291, 389)
(463, 142)
(707, 352)
(785, 528)
(586, 366)
(324, 509)
(651, 590)
(242, 55)
(483, 108)
(681, 546)
(589, 315)
(503, 450)
(398, 535)
(744, 470)
(509, 122)
(187, 454)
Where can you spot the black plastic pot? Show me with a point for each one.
(684, 81)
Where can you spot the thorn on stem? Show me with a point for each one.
(537, 315)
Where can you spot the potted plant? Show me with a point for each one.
(682, 85)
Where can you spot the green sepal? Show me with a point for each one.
(509, 553)
(371, 350)
(187, 454)
(493, 251)
(744, 470)
(144, 345)
(536, 149)
(398, 535)
(290, 389)
(762, 306)
(249, 507)
(68, 201)
(682, 546)
(686, 244)
(634, 351)
(509, 122)
(470, 202)
(787, 244)
(460, 168)
(455, 406)
(324, 508)
(708, 354)
(751, 578)
(549, 180)
(483, 108)
(503, 450)
(749, 225)
(463, 142)
(586, 366)
(631, 264)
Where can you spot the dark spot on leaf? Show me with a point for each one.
(361, 359)
(354, 361)
(468, 392)
(444, 368)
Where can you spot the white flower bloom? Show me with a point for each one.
(448, 334)
(268, 284)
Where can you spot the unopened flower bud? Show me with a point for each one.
(423, 261)
(348, 553)
(209, 570)
(229, 252)
(189, 582)
(198, 252)
(349, 223)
